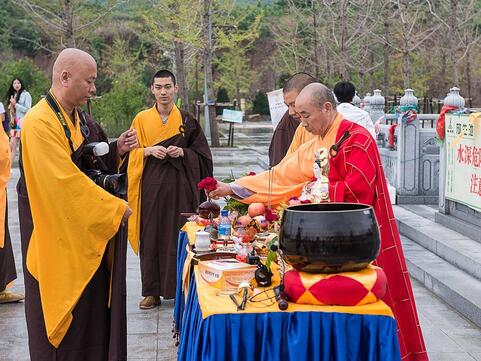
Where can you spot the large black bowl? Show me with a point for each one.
(329, 237)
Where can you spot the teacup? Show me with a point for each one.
(202, 241)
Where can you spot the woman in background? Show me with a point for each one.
(19, 102)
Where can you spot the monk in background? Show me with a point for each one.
(8, 272)
(288, 126)
(355, 174)
(73, 242)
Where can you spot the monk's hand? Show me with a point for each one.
(126, 215)
(156, 151)
(222, 190)
(127, 141)
(174, 151)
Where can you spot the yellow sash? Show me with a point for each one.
(150, 131)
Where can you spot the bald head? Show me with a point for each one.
(71, 60)
(297, 82)
(73, 75)
(317, 108)
(317, 94)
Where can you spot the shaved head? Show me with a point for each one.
(291, 90)
(317, 94)
(73, 77)
(297, 82)
(316, 106)
(69, 60)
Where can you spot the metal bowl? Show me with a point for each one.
(329, 237)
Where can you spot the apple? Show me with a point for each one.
(244, 220)
(256, 209)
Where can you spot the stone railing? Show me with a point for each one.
(412, 165)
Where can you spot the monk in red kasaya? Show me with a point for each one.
(354, 174)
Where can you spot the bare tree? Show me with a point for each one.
(176, 28)
(456, 20)
(65, 22)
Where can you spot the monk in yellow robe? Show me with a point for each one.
(73, 242)
(282, 140)
(163, 174)
(8, 272)
(354, 174)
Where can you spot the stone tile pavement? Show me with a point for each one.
(449, 336)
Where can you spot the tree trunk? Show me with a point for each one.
(68, 16)
(343, 51)
(315, 40)
(468, 77)
(214, 133)
(453, 24)
(444, 83)
(179, 56)
(196, 81)
(386, 59)
(405, 52)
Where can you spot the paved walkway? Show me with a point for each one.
(449, 336)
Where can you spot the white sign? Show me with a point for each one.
(277, 107)
(463, 159)
(233, 116)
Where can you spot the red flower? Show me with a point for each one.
(306, 201)
(292, 199)
(313, 179)
(208, 183)
(252, 173)
(271, 216)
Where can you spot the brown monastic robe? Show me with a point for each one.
(7, 262)
(98, 331)
(282, 138)
(168, 188)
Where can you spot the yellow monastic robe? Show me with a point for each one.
(150, 131)
(301, 136)
(4, 177)
(288, 178)
(73, 218)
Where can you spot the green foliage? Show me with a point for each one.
(35, 81)
(116, 108)
(260, 104)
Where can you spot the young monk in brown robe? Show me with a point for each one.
(289, 124)
(163, 174)
(7, 262)
(73, 244)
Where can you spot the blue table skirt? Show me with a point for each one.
(278, 336)
(179, 294)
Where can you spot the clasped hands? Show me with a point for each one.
(161, 152)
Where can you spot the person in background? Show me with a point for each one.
(8, 273)
(345, 92)
(19, 102)
(288, 130)
(4, 118)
